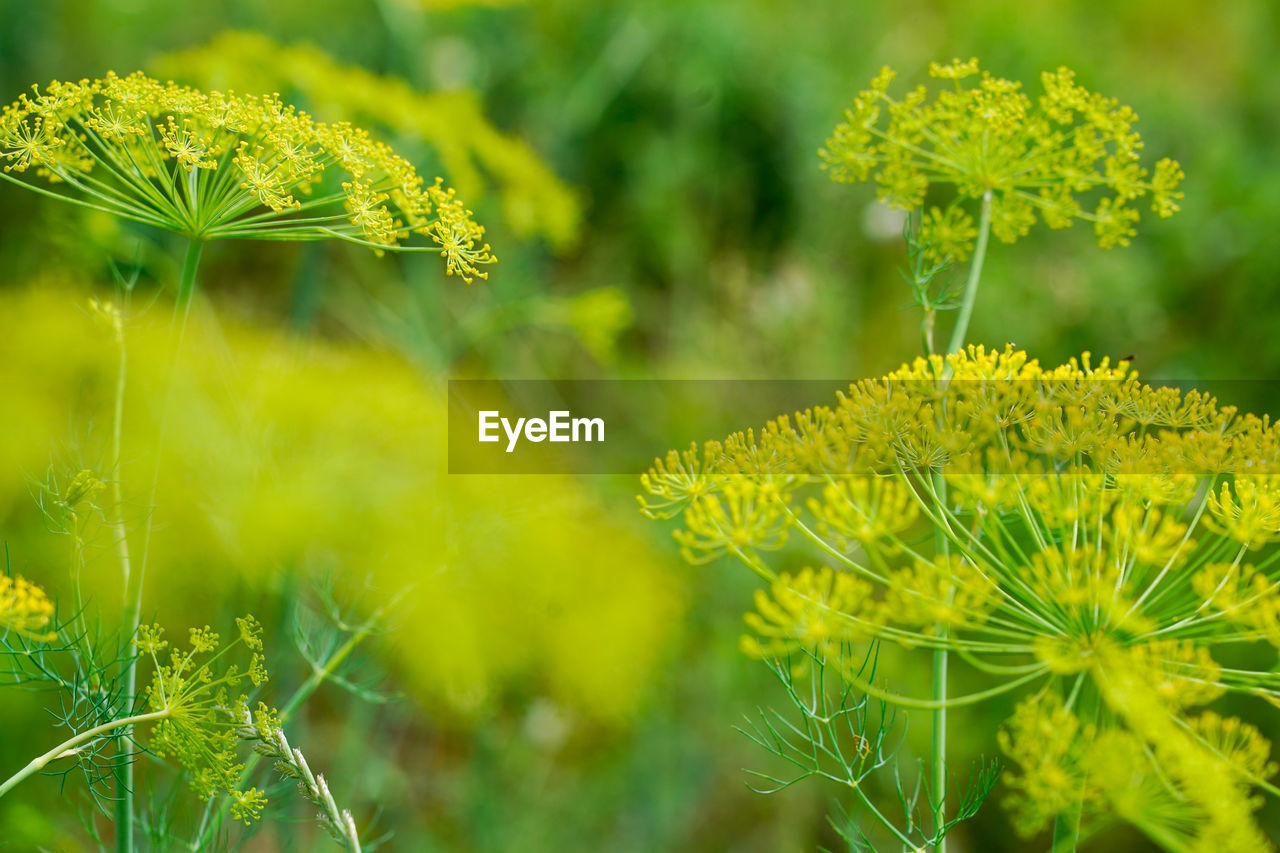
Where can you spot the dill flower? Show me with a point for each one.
(797, 611)
(201, 709)
(473, 153)
(1068, 532)
(1047, 745)
(25, 609)
(220, 165)
(1068, 154)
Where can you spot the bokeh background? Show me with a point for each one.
(555, 677)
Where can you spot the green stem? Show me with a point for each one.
(938, 747)
(975, 273)
(124, 775)
(926, 330)
(882, 818)
(1066, 826)
(938, 744)
(67, 747)
(320, 676)
(116, 520)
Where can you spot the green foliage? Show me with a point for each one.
(844, 736)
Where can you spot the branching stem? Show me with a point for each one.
(69, 747)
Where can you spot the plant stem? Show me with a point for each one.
(124, 776)
(938, 746)
(938, 743)
(68, 746)
(116, 519)
(1066, 826)
(975, 273)
(926, 329)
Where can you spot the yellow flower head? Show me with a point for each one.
(1036, 159)
(1067, 531)
(477, 157)
(201, 704)
(1044, 741)
(220, 165)
(25, 610)
(811, 611)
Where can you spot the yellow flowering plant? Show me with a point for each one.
(196, 706)
(1092, 544)
(218, 165)
(196, 710)
(478, 157)
(980, 141)
(1070, 533)
(206, 166)
(189, 704)
(25, 610)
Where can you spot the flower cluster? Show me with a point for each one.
(1066, 528)
(472, 151)
(214, 165)
(25, 609)
(1033, 159)
(201, 709)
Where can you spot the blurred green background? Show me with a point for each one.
(560, 679)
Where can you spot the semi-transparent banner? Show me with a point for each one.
(620, 426)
